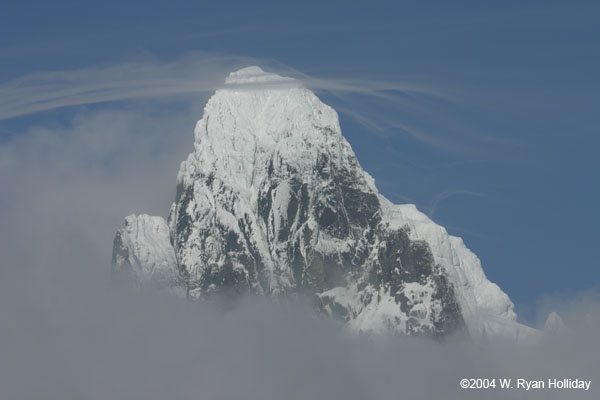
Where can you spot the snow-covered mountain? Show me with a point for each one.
(273, 201)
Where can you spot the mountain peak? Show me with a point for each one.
(273, 201)
(255, 75)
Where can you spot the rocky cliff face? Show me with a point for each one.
(274, 202)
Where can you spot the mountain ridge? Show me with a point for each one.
(273, 201)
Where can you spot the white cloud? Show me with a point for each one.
(193, 74)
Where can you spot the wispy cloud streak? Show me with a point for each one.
(48, 90)
(386, 106)
(195, 73)
(446, 195)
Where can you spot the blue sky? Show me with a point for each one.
(493, 130)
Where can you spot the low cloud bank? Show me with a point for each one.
(61, 342)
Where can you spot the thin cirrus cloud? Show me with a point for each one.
(379, 105)
(44, 91)
(446, 195)
(193, 73)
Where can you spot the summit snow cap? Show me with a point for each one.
(255, 76)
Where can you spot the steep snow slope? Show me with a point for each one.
(142, 251)
(484, 306)
(273, 201)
